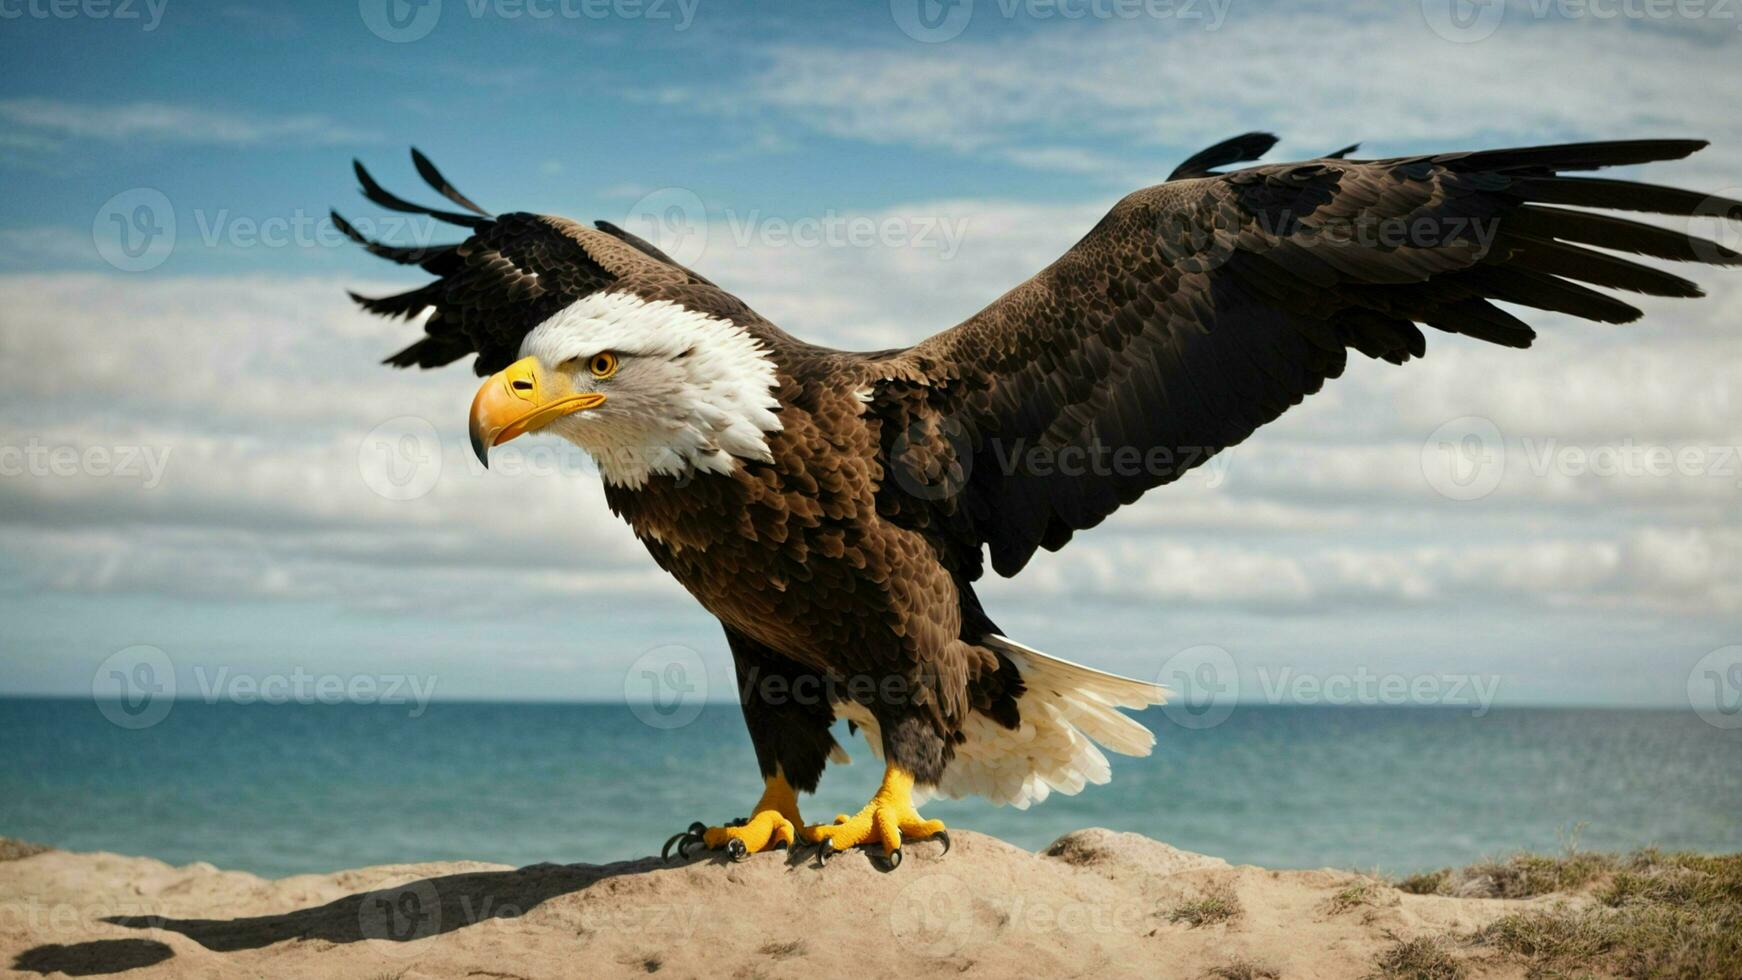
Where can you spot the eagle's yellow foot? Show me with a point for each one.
(773, 822)
(888, 819)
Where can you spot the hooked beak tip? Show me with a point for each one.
(481, 448)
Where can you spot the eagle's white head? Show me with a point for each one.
(644, 387)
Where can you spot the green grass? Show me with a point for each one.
(1243, 970)
(12, 850)
(1650, 915)
(1218, 904)
(1658, 916)
(1422, 958)
(1521, 875)
(1356, 894)
(1426, 883)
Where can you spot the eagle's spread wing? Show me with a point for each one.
(513, 273)
(1200, 309)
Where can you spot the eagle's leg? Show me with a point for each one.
(773, 822)
(888, 819)
(787, 712)
(912, 753)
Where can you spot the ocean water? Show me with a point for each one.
(285, 789)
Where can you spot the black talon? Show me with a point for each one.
(887, 862)
(943, 835)
(825, 850)
(665, 852)
(736, 849)
(740, 822)
(684, 841)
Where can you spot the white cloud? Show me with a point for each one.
(259, 397)
(1319, 75)
(36, 120)
(262, 392)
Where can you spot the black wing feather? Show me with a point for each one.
(1239, 149)
(1194, 313)
(378, 195)
(515, 271)
(434, 178)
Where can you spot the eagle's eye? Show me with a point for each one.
(603, 364)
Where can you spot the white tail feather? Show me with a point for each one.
(1066, 708)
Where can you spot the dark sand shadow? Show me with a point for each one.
(92, 958)
(402, 912)
(399, 913)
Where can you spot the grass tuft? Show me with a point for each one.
(1660, 916)
(12, 850)
(1243, 970)
(1354, 895)
(1218, 904)
(1427, 883)
(1422, 958)
(1521, 875)
(786, 950)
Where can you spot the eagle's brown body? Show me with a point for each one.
(822, 596)
(841, 561)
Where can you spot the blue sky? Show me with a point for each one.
(268, 542)
(560, 115)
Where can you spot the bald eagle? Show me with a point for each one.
(834, 509)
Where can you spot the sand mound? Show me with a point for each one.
(1095, 903)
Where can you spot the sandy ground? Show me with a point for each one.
(1095, 904)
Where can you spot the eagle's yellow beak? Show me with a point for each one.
(523, 397)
